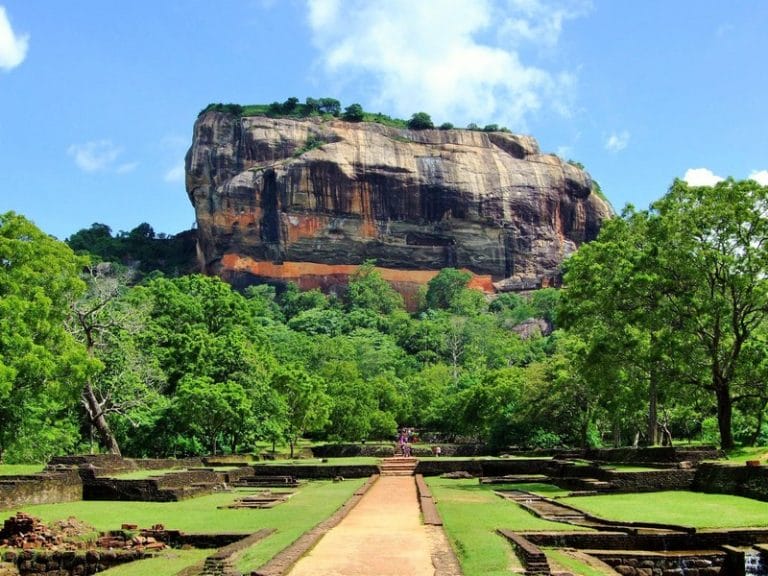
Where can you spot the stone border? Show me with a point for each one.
(283, 561)
(533, 559)
(429, 511)
(222, 561)
(444, 557)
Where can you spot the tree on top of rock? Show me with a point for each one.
(420, 121)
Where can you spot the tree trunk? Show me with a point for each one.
(653, 410)
(96, 416)
(759, 426)
(724, 416)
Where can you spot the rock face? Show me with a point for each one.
(279, 200)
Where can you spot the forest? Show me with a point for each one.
(657, 335)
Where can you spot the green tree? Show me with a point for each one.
(420, 121)
(613, 303)
(305, 400)
(353, 113)
(213, 410)
(107, 324)
(330, 106)
(369, 291)
(42, 368)
(713, 264)
(445, 289)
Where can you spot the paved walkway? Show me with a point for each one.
(382, 536)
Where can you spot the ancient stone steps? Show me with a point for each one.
(398, 466)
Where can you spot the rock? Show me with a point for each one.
(279, 199)
(532, 327)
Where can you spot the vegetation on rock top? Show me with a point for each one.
(329, 108)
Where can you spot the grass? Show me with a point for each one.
(166, 563)
(546, 490)
(742, 454)
(678, 507)
(630, 468)
(471, 513)
(574, 565)
(312, 503)
(202, 514)
(20, 469)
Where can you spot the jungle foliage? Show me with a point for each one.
(659, 334)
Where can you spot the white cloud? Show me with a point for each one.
(175, 174)
(701, 177)
(95, 156)
(539, 21)
(761, 177)
(457, 60)
(13, 48)
(127, 167)
(617, 142)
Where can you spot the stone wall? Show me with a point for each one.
(482, 467)
(651, 481)
(749, 481)
(45, 488)
(111, 464)
(701, 563)
(691, 540)
(654, 454)
(68, 562)
(315, 472)
(386, 450)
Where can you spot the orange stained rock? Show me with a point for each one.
(302, 272)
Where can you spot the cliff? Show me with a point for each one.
(307, 200)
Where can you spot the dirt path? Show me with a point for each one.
(382, 536)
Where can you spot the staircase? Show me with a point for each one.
(397, 466)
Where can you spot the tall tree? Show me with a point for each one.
(107, 324)
(713, 259)
(41, 366)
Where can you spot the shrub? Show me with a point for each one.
(446, 126)
(420, 121)
(353, 113)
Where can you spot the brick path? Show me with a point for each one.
(382, 536)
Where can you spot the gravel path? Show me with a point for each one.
(382, 536)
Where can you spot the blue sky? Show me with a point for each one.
(98, 98)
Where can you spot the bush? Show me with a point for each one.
(353, 113)
(446, 126)
(420, 121)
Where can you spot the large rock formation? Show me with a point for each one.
(282, 199)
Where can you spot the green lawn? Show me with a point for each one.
(678, 507)
(546, 490)
(572, 564)
(311, 503)
(166, 563)
(200, 514)
(20, 469)
(742, 454)
(471, 513)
